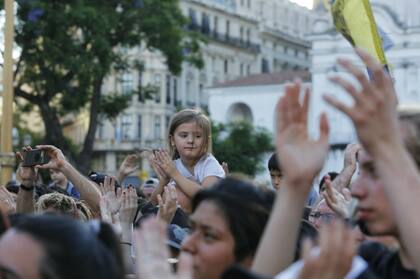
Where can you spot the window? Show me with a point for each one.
(127, 83)
(158, 84)
(227, 33)
(175, 85)
(193, 19)
(189, 91)
(168, 89)
(139, 126)
(248, 36)
(264, 66)
(226, 66)
(157, 132)
(216, 26)
(100, 130)
(249, 4)
(248, 69)
(140, 82)
(167, 121)
(125, 127)
(241, 69)
(241, 34)
(205, 24)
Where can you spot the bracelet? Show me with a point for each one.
(126, 243)
(26, 188)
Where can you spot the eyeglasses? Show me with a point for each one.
(323, 217)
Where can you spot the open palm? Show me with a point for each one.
(301, 158)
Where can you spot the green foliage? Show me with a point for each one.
(241, 146)
(69, 47)
(112, 104)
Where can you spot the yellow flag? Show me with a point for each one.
(354, 19)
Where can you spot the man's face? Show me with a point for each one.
(374, 208)
(276, 178)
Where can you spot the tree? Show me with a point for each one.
(241, 145)
(69, 47)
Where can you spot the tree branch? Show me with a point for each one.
(27, 96)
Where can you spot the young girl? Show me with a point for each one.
(190, 165)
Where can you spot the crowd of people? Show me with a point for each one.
(197, 221)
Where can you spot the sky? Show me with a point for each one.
(306, 3)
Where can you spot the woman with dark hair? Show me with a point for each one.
(228, 220)
(51, 246)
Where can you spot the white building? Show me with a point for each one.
(243, 99)
(245, 37)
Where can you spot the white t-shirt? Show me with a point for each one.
(206, 166)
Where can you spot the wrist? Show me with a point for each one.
(27, 187)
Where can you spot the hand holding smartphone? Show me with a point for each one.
(34, 157)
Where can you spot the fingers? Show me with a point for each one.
(339, 105)
(324, 128)
(347, 194)
(379, 76)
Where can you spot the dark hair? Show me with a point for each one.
(245, 208)
(4, 222)
(331, 174)
(273, 163)
(74, 249)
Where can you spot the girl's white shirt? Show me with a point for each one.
(206, 166)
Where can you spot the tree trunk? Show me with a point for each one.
(53, 130)
(85, 157)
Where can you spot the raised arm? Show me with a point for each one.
(375, 117)
(343, 179)
(305, 158)
(88, 189)
(27, 176)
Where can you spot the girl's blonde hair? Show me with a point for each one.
(187, 116)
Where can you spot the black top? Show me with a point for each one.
(384, 262)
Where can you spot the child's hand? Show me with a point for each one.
(165, 163)
(114, 197)
(128, 205)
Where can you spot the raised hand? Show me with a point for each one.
(128, 166)
(168, 204)
(374, 110)
(164, 161)
(152, 253)
(154, 163)
(57, 158)
(128, 205)
(26, 175)
(113, 196)
(350, 155)
(338, 202)
(301, 158)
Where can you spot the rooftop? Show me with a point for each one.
(267, 79)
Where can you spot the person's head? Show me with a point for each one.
(58, 177)
(52, 246)
(227, 223)
(57, 203)
(332, 175)
(274, 169)
(374, 211)
(322, 214)
(375, 214)
(189, 134)
(148, 187)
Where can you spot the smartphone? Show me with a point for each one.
(34, 157)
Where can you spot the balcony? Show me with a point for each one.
(226, 39)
